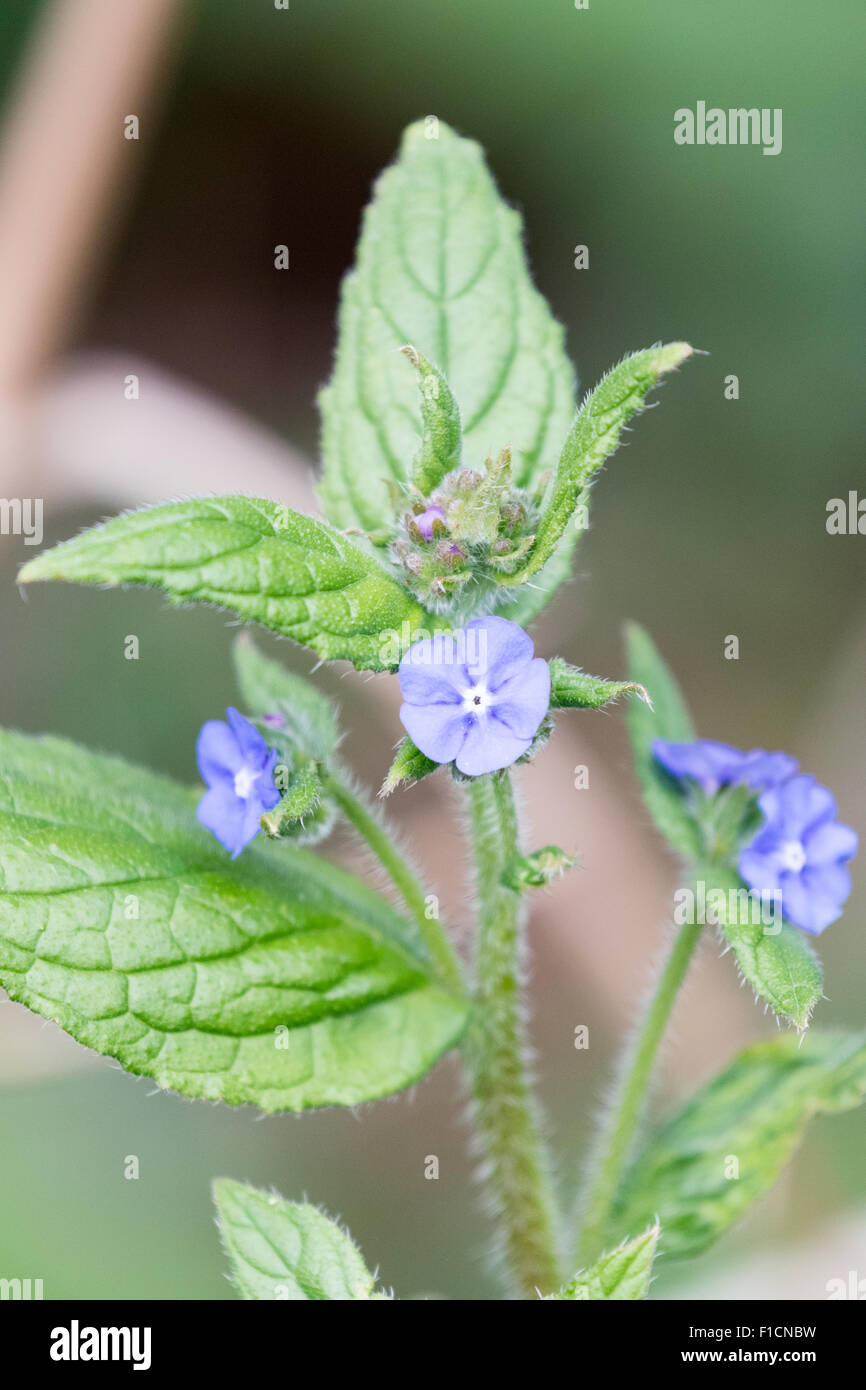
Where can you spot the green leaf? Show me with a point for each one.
(276, 979)
(621, 1274)
(593, 437)
(440, 419)
(774, 958)
(268, 688)
(728, 1145)
(666, 718)
(526, 602)
(409, 765)
(297, 576)
(286, 1251)
(440, 265)
(571, 688)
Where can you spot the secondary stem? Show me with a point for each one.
(620, 1125)
(370, 829)
(494, 1051)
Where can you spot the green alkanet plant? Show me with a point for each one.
(455, 487)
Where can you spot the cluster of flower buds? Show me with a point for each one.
(474, 525)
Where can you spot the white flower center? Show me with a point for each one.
(245, 780)
(793, 856)
(477, 699)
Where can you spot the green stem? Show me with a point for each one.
(494, 1050)
(368, 826)
(629, 1099)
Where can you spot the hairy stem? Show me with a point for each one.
(494, 1050)
(370, 828)
(621, 1121)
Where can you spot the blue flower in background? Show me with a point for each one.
(238, 767)
(476, 700)
(713, 765)
(801, 852)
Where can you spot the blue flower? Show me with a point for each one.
(801, 853)
(238, 767)
(476, 700)
(713, 765)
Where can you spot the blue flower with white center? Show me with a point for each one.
(801, 852)
(476, 699)
(713, 765)
(238, 767)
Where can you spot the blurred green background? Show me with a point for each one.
(711, 522)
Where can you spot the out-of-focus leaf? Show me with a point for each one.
(728, 1145)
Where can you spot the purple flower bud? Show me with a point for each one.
(424, 520)
(238, 767)
(476, 699)
(801, 852)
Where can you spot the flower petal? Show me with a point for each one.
(254, 750)
(761, 769)
(438, 730)
(433, 672)
(497, 649)
(830, 842)
(708, 762)
(813, 899)
(224, 815)
(217, 752)
(265, 790)
(489, 746)
(523, 701)
(797, 805)
(761, 867)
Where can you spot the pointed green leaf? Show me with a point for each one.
(268, 688)
(440, 421)
(259, 559)
(774, 958)
(708, 1164)
(571, 688)
(623, 1273)
(440, 265)
(286, 1251)
(276, 979)
(409, 765)
(666, 718)
(527, 601)
(593, 437)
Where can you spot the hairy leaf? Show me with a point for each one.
(623, 1273)
(440, 419)
(773, 957)
(440, 265)
(259, 559)
(276, 979)
(666, 718)
(593, 437)
(708, 1164)
(571, 688)
(409, 765)
(286, 1251)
